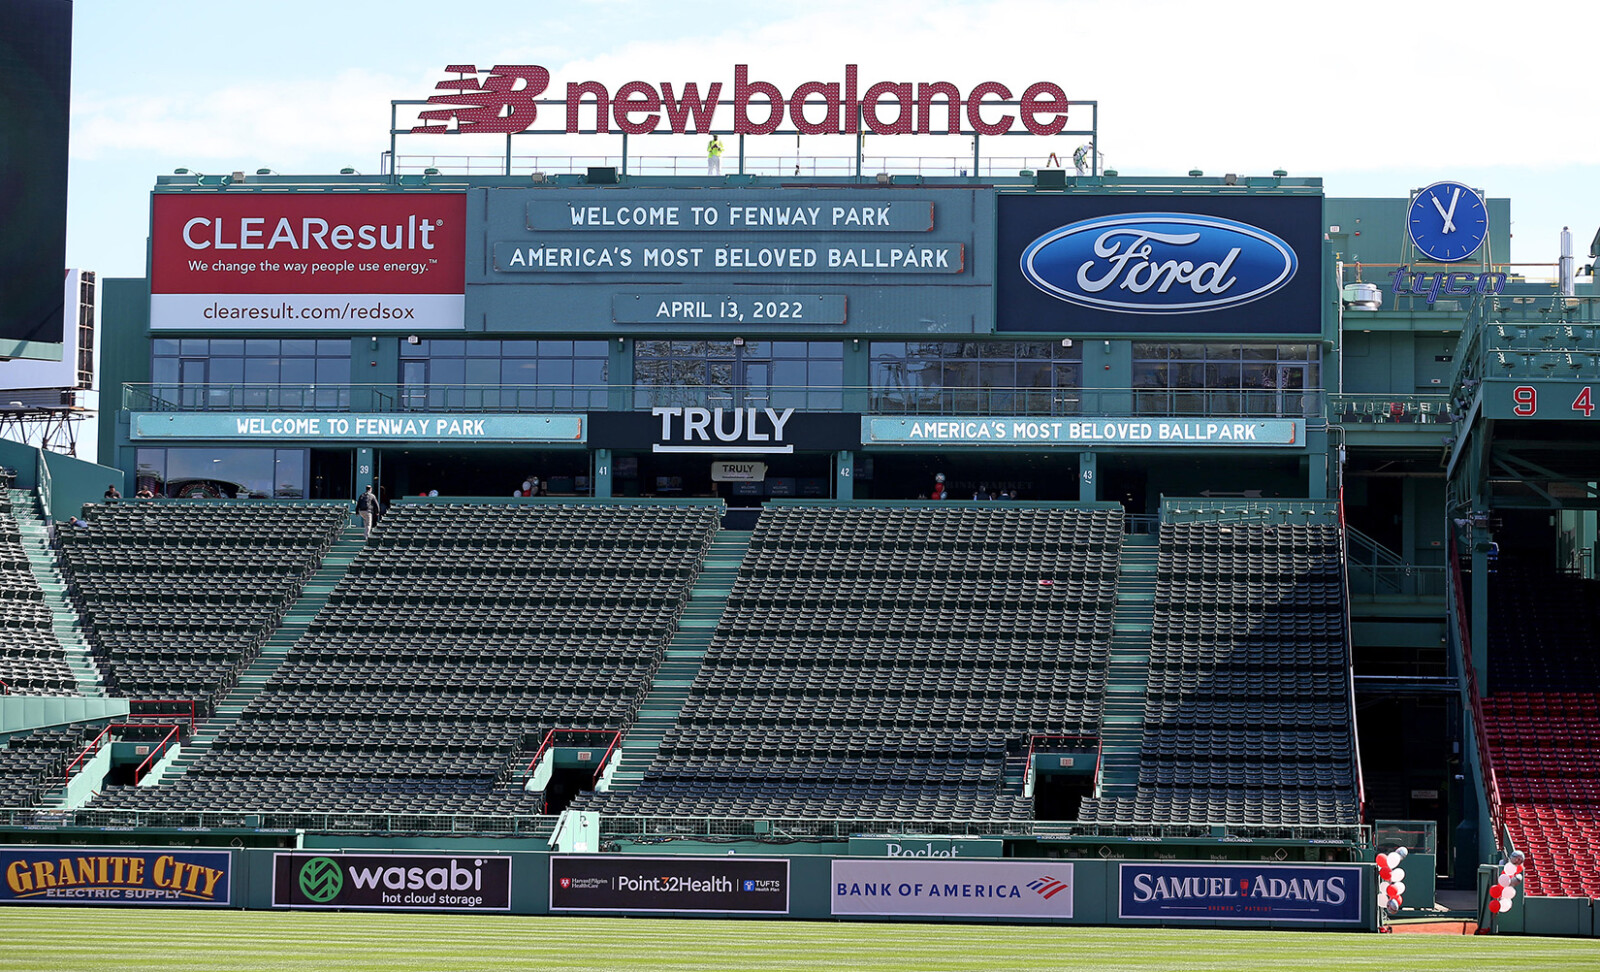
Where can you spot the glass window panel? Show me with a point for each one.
(164, 371)
(590, 372)
(519, 371)
(999, 349)
(449, 349)
(233, 346)
(555, 371)
(300, 347)
(888, 349)
(1069, 375)
(789, 373)
(590, 349)
(482, 371)
(547, 348)
(721, 374)
(418, 350)
(224, 472)
(997, 374)
(1258, 352)
(334, 370)
(151, 469)
(825, 349)
(717, 349)
(788, 349)
(519, 349)
(261, 346)
(261, 370)
(1149, 375)
(827, 373)
(1222, 352)
(483, 349)
(332, 346)
(289, 481)
(1144, 350)
(195, 346)
(226, 370)
(168, 346)
(1074, 353)
(1189, 352)
(1224, 375)
(1293, 352)
(654, 349)
(1188, 375)
(446, 371)
(758, 349)
(298, 371)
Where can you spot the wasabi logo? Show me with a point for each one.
(321, 880)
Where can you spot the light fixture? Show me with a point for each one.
(1230, 179)
(1280, 173)
(884, 178)
(738, 342)
(265, 172)
(1111, 173)
(430, 171)
(238, 175)
(1195, 173)
(348, 171)
(1066, 342)
(539, 177)
(183, 172)
(413, 340)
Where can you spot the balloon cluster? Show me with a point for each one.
(1504, 888)
(1391, 879)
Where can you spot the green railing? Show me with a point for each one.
(1299, 403)
(35, 818)
(1409, 580)
(727, 828)
(1393, 410)
(1247, 511)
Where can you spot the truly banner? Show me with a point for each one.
(952, 888)
(612, 882)
(392, 882)
(90, 875)
(307, 261)
(1239, 892)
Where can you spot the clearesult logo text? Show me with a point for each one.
(92, 876)
(1159, 263)
(1242, 892)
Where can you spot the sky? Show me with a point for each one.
(1376, 98)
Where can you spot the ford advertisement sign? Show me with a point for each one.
(1240, 892)
(1183, 264)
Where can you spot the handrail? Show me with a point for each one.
(600, 768)
(134, 704)
(1380, 553)
(5, 687)
(1350, 661)
(1475, 703)
(169, 738)
(1036, 739)
(89, 751)
(45, 484)
(550, 739)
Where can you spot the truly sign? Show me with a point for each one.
(504, 99)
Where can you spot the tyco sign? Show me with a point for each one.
(391, 882)
(92, 876)
(748, 885)
(1240, 892)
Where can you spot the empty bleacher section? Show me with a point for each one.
(1247, 715)
(881, 662)
(177, 596)
(1542, 721)
(32, 764)
(31, 659)
(458, 637)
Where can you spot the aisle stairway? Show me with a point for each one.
(681, 663)
(313, 596)
(46, 570)
(1122, 718)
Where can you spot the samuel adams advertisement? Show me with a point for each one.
(1154, 263)
(744, 885)
(88, 875)
(1240, 892)
(392, 882)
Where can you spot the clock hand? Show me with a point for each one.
(1450, 216)
(1448, 225)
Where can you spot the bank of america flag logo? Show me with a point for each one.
(1047, 887)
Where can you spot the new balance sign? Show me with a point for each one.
(952, 888)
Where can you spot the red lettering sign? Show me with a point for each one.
(505, 101)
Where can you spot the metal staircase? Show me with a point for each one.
(1127, 668)
(313, 597)
(64, 621)
(681, 663)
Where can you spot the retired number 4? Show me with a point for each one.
(1582, 403)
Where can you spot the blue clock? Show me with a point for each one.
(1447, 221)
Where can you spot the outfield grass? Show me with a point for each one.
(39, 939)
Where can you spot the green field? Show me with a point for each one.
(40, 939)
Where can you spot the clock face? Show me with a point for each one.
(1448, 222)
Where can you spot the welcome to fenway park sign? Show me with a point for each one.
(506, 99)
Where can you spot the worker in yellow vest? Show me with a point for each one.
(714, 156)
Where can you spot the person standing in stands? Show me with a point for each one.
(112, 493)
(367, 506)
(714, 156)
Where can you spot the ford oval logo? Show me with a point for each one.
(1158, 263)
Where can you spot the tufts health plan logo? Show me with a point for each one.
(321, 880)
(1159, 263)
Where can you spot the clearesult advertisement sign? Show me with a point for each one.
(391, 882)
(1239, 892)
(733, 885)
(307, 261)
(948, 888)
(88, 875)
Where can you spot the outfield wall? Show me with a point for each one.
(997, 890)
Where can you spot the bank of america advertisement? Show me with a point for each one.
(101, 876)
(392, 882)
(1240, 892)
(723, 885)
(307, 261)
(952, 889)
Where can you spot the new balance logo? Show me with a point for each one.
(1047, 887)
(496, 104)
